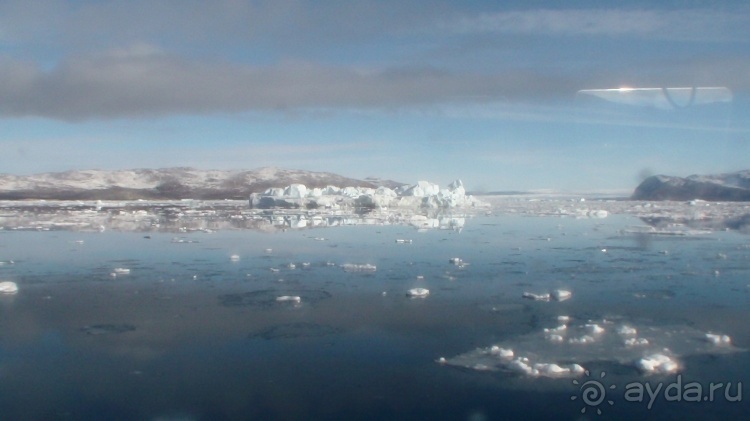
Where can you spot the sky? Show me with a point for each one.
(485, 91)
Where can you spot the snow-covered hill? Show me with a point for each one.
(167, 183)
(720, 187)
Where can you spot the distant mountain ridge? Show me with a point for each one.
(167, 183)
(727, 187)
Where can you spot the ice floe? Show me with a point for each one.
(562, 349)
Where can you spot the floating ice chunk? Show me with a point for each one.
(561, 294)
(657, 363)
(8, 262)
(563, 319)
(501, 352)
(234, 257)
(594, 328)
(455, 260)
(8, 287)
(442, 360)
(289, 298)
(320, 239)
(537, 297)
(274, 270)
(418, 292)
(636, 341)
(718, 339)
(269, 250)
(625, 330)
(520, 365)
(555, 338)
(598, 214)
(292, 266)
(121, 271)
(351, 267)
(560, 328)
(402, 241)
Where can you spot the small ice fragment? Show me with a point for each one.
(441, 360)
(718, 339)
(594, 328)
(319, 239)
(627, 330)
(402, 241)
(234, 257)
(292, 266)
(501, 352)
(384, 293)
(563, 318)
(195, 277)
(420, 277)
(274, 270)
(418, 292)
(657, 363)
(268, 250)
(604, 250)
(555, 338)
(537, 297)
(455, 260)
(285, 298)
(121, 271)
(520, 366)
(8, 287)
(561, 294)
(305, 264)
(636, 341)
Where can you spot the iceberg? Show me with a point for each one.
(421, 195)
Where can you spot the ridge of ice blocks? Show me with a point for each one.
(418, 292)
(121, 271)
(657, 363)
(289, 298)
(8, 287)
(523, 365)
(351, 267)
(718, 339)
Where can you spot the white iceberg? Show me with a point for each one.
(8, 287)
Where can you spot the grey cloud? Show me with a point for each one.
(143, 81)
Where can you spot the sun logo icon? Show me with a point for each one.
(593, 393)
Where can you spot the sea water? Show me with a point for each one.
(320, 324)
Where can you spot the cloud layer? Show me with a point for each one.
(94, 60)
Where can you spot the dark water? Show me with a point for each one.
(191, 334)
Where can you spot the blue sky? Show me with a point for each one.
(485, 91)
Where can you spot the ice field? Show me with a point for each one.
(210, 310)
